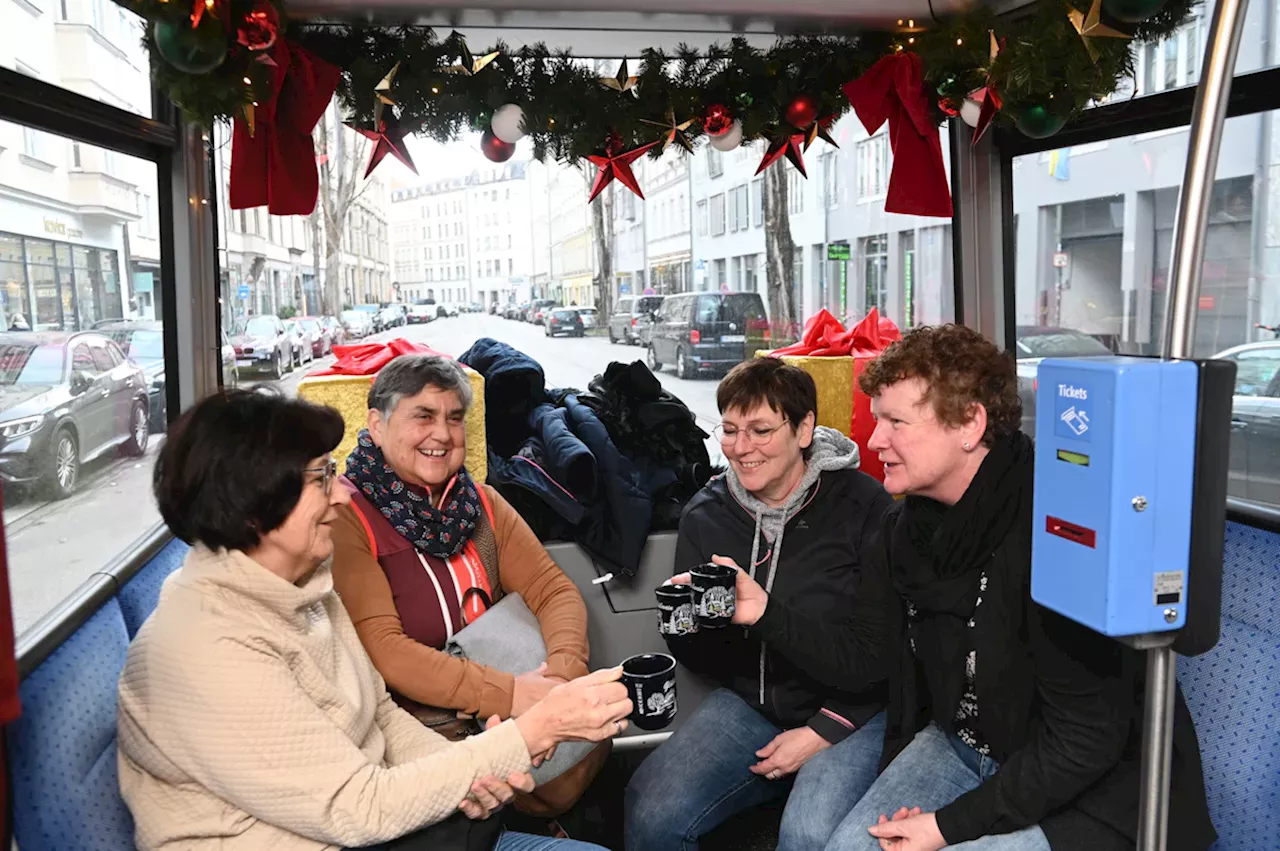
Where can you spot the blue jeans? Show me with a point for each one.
(930, 773)
(701, 777)
(525, 842)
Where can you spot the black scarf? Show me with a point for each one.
(441, 532)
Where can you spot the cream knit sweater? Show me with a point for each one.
(251, 718)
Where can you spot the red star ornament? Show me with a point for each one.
(818, 130)
(617, 166)
(388, 138)
(789, 143)
(991, 104)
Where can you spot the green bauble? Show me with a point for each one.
(1039, 120)
(191, 51)
(1132, 11)
(745, 100)
(949, 86)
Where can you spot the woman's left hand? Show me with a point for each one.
(788, 752)
(489, 794)
(909, 830)
(751, 598)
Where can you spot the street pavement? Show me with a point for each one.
(53, 547)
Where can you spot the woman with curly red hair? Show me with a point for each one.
(1009, 727)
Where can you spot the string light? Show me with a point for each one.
(435, 90)
(911, 23)
(248, 82)
(959, 42)
(911, 40)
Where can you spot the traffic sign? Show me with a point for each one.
(243, 292)
(1061, 259)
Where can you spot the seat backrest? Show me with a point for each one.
(1234, 695)
(66, 787)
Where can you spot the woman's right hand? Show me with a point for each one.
(751, 598)
(589, 709)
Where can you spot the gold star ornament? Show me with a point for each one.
(1089, 25)
(468, 65)
(672, 132)
(623, 82)
(382, 94)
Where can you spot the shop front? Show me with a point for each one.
(50, 279)
(577, 291)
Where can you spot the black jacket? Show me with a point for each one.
(1061, 709)
(818, 573)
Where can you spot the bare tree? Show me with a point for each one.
(602, 221)
(341, 159)
(779, 256)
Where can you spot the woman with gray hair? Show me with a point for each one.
(423, 551)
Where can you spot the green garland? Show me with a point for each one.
(569, 114)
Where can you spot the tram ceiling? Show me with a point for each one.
(589, 27)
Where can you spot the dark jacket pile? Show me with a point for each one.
(603, 468)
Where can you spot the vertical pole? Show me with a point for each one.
(1203, 144)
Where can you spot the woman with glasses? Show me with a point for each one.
(421, 551)
(250, 716)
(794, 507)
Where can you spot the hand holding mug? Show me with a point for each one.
(751, 598)
(589, 709)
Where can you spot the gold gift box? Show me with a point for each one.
(834, 379)
(349, 396)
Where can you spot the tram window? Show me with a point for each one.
(92, 47)
(79, 266)
(1094, 235)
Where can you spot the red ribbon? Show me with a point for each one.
(276, 166)
(368, 358)
(825, 336)
(894, 91)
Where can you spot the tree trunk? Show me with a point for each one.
(602, 221)
(779, 258)
(316, 281)
(341, 183)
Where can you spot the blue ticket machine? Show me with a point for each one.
(1116, 448)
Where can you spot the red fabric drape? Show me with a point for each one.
(368, 358)
(893, 90)
(276, 165)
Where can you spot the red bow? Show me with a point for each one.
(368, 358)
(275, 165)
(824, 336)
(894, 90)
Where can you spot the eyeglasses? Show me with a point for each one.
(328, 473)
(756, 435)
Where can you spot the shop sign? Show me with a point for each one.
(61, 229)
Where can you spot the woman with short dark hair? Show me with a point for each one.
(794, 507)
(249, 715)
(1010, 727)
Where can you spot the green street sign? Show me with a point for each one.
(838, 251)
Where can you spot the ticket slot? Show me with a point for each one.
(1071, 532)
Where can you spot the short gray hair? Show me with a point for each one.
(407, 375)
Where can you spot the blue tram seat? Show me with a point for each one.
(62, 750)
(63, 759)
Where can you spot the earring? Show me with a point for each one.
(966, 446)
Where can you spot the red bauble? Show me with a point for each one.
(949, 107)
(496, 149)
(718, 120)
(259, 28)
(801, 112)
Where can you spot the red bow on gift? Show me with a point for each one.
(824, 336)
(368, 358)
(275, 163)
(894, 90)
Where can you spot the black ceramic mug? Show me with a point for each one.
(675, 610)
(650, 679)
(715, 594)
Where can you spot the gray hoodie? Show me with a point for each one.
(830, 450)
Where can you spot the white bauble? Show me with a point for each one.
(969, 112)
(508, 123)
(729, 139)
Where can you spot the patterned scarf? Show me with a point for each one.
(440, 532)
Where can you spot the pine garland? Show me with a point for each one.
(569, 114)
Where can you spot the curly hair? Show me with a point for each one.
(959, 368)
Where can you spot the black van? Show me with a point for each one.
(707, 332)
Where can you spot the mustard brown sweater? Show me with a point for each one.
(250, 717)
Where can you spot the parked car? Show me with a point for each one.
(632, 317)
(444, 310)
(539, 309)
(1034, 344)
(143, 343)
(393, 316)
(337, 334)
(356, 324)
(317, 334)
(702, 332)
(588, 315)
(1253, 470)
(375, 315)
(262, 345)
(564, 320)
(302, 352)
(420, 314)
(230, 372)
(66, 399)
